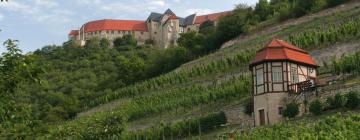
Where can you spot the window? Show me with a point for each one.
(294, 75)
(142, 33)
(112, 32)
(123, 32)
(155, 32)
(277, 74)
(280, 110)
(107, 32)
(259, 76)
(119, 32)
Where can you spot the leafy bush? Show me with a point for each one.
(336, 101)
(126, 40)
(316, 107)
(104, 43)
(352, 100)
(291, 110)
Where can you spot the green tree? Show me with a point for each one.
(316, 107)
(17, 119)
(105, 43)
(263, 9)
(192, 41)
(207, 27)
(352, 100)
(126, 40)
(92, 43)
(291, 110)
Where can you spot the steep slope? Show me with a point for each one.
(209, 84)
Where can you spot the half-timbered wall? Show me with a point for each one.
(271, 82)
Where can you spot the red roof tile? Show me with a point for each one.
(280, 50)
(74, 32)
(109, 24)
(212, 17)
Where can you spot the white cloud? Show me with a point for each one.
(46, 3)
(1, 17)
(133, 7)
(159, 3)
(199, 11)
(88, 2)
(39, 10)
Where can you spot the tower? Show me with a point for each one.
(277, 70)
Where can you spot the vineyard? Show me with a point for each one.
(333, 127)
(186, 128)
(145, 106)
(178, 77)
(347, 64)
(191, 86)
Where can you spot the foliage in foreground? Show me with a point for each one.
(333, 127)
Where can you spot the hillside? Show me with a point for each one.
(219, 81)
(144, 93)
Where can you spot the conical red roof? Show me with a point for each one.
(278, 50)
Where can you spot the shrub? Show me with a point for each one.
(339, 101)
(352, 100)
(291, 110)
(335, 102)
(104, 43)
(316, 107)
(126, 40)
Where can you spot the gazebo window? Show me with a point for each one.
(277, 74)
(259, 76)
(294, 75)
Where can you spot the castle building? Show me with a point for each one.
(162, 29)
(277, 70)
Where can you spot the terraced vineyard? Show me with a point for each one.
(333, 127)
(220, 77)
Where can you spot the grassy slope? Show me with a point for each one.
(222, 75)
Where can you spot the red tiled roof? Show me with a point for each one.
(280, 50)
(212, 17)
(109, 24)
(74, 32)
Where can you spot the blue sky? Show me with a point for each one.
(36, 23)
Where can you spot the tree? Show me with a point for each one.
(262, 9)
(291, 110)
(207, 27)
(192, 41)
(126, 40)
(316, 107)
(105, 43)
(228, 27)
(352, 100)
(92, 43)
(16, 114)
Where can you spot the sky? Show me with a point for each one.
(36, 23)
